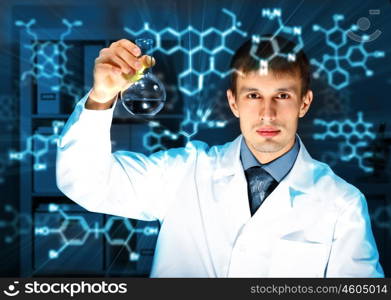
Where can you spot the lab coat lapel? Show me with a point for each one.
(230, 184)
(224, 202)
(292, 208)
(223, 199)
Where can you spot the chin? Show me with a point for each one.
(267, 146)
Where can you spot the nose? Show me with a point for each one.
(268, 111)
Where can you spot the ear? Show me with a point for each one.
(232, 103)
(305, 103)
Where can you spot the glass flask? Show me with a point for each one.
(146, 94)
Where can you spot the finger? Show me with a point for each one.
(103, 64)
(109, 68)
(115, 73)
(132, 48)
(128, 58)
(118, 62)
(148, 61)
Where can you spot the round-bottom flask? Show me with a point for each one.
(146, 95)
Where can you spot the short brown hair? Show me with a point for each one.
(244, 62)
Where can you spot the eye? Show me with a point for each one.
(253, 96)
(283, 96)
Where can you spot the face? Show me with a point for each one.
(268, 108)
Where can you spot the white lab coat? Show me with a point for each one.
(314, 224)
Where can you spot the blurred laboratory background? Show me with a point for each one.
(47, 53)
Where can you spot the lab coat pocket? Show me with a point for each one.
(298, 259)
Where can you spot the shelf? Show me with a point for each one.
(36, 204)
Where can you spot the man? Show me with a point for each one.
(258, 206)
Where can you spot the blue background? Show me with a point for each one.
(102, 245)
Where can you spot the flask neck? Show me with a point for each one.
(145, 46)
(147, 66)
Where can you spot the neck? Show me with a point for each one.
(266, 157)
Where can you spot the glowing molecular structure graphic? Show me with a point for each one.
(202, 36)
(194, 118)
(336, 39)
(49, 59)
(37, 146)
(189, 127)
(272, 14)
(354, 135)
(19, 224)
(217, 103)
(153, 140)
(87, 231)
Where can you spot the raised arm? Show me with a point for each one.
(123, 183)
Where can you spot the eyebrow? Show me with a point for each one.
(245, 89)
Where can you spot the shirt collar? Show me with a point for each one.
(277, 168)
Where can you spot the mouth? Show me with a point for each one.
(268, 132)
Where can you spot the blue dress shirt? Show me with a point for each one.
(278, 168)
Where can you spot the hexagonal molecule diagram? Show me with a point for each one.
(153, 140)
(190, 124)
(355, 135)
(202, 37)
(196, 117)
(84, 231)
(37, 146)
(49, 59)
(295, 32)
(355, 55)
(188, 128)
(219, 46)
